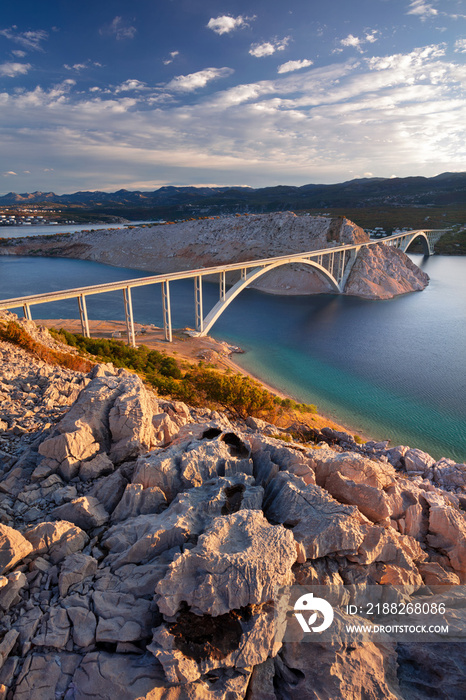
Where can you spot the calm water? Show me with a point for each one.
(394, 369)
(47, 229)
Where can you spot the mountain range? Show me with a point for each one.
(441, 190)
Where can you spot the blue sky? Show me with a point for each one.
(105, 95)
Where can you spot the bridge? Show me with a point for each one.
(333, 264)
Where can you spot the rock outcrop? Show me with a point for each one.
(141, 564)
(382, 272)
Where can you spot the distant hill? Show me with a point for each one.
(443, 190)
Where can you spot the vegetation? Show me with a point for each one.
(14, 333)
(197, 385)
(452, 243)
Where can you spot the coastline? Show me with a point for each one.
(194, 349)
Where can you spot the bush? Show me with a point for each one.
(197, 385)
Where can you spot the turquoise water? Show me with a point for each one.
(394, 369)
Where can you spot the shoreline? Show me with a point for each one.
(194, 349)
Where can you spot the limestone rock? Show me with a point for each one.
(353, 466)
(372, 502)
(54, 630)
(83, 626)
(159, 469)
(137, 500)
(319, 522)
(75, 568)
(382, 272)
(196, 645)
(271, 456)
(13, 547)
(165, 428)
(204, 460)
(106, 676)
(434, 670)
(69, 449)
(7, 644)
(57, 539)
(121, 617)
(140, 539)
(99, 466)
(447, 532)
(27, 625)
(108, 490)
(418, 461)
(450, 475)
(435, 575)
(336, 671)
(238, 561)
(261, 686)
(130, 420)
(113, 413)
(9, 593)
(46, 676)
(85, 512)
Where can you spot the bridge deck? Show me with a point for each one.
(189, 274)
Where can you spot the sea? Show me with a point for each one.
(392, 369)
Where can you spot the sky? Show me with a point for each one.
(112, 94)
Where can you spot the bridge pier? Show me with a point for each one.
(129, 317)
(222, 287)
(27, 312)
(198, 303)
(83, 315)
(167, 316)
(353, 254)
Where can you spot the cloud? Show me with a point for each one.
(357, 42)
(18, 53)
(269, 47)
(119, 29)
(29, 40)
(290, 66)
(9, 172)
(422, 9)
(193, 81)
(82, 66)
(407, 62)
(173, 54)
(11, 70)
(460, 46)
(131, 85)
(401, 113)
(226, 24)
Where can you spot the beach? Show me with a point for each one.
(185, 347)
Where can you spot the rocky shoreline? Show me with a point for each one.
(142, 540)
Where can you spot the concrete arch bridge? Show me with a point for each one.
(334, 264)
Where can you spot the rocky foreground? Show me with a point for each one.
(380, 272)
(141, 542)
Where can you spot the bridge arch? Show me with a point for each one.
(253, 275)
(416, 236)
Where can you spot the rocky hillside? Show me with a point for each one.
(214, 241)
(142, 541)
